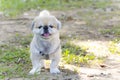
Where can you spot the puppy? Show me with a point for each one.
(45, 43)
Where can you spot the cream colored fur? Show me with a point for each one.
(40, 43)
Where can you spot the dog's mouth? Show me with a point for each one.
(46, 35)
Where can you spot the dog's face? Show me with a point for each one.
(46, 26)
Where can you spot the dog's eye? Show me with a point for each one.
(39, 27)
(51, 26)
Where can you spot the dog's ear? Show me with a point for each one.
(58, 25)
(32, 25)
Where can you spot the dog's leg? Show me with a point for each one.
(54, 64)
(36, 65)
(42, 64)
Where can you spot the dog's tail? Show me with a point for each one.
(44, 13)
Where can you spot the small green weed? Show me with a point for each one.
(113, 46)
(73, 54)
(115, 30)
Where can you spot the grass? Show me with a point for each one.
(14, 7)
(75, 55)
(15, 57)
(95, 18)
(113, 46)
(15, 60)
(115, 30)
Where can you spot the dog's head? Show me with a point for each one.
(45, 25)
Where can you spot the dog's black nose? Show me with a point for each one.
(45, 27)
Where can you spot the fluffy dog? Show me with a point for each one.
(45, 43)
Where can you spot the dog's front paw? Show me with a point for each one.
(54, 71)
(34, 71)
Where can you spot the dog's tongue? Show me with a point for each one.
(46, 34)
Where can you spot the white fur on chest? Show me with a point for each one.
(46, 46)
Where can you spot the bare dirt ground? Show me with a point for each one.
(73, 27)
